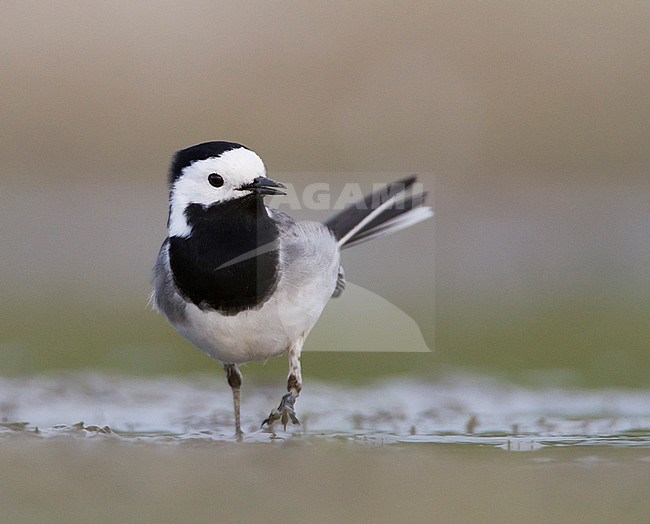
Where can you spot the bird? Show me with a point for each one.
(245, 282)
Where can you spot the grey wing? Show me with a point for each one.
(309, 250)
(165, 297)
(319, 236)
(340, 283)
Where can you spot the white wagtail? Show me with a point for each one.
(244, 282)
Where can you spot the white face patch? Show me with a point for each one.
(237, 167)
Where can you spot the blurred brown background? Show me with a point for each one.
(528, 122)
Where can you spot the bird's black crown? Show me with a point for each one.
(185, 157)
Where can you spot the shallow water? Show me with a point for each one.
(459, 410)
(85, 447)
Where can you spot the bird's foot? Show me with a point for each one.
(284, 412)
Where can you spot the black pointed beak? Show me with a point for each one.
(265, 186)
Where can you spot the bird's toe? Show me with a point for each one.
(285, 412)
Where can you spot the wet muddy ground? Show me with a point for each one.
(458, 409)
(80, 447)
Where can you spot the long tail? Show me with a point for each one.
(390, 209)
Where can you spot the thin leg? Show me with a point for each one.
(286, 409)
(294, 382)
(234, 380)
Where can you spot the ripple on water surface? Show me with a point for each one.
(458, 410)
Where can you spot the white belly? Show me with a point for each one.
(263, 333)
(309, 265)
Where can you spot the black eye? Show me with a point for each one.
(215, 180)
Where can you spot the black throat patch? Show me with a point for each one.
(206, 266)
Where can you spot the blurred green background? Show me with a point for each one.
(528, 122)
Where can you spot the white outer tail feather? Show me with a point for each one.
(397, 223)
(408, 219)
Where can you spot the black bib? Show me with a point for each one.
(220, 234)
